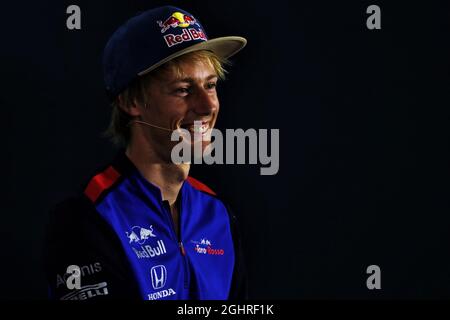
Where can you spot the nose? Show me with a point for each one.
(206, 102)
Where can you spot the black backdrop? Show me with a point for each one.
(364, 140)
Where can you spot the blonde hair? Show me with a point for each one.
(119, 130)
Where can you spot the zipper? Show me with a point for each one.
(179, 240)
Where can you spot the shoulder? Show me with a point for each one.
(200, 186)
(75, 220)
(71, 210)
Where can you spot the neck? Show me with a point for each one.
(169, 177)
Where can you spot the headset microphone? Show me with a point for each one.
(196, 128)
(151, 125)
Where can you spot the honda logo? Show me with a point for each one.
(159, 276)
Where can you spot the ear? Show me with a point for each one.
(134, 109)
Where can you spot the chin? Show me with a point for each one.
(205, 144)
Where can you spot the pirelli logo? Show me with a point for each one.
(87, 292)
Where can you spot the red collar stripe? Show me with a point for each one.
(101, 182)
(200, 186)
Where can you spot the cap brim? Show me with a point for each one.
(223, 47)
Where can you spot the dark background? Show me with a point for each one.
(364, 140)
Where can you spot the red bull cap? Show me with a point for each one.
(153, 38)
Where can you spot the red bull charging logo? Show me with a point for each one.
(177, 19)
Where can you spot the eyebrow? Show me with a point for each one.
(192, 80)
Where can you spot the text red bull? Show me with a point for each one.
(149, 252)
(186, 35)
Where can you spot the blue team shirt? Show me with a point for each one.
(197, 264)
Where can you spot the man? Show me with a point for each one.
(144, 229)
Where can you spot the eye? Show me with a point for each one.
(182, 91)
(211, 85)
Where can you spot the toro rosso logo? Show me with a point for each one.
(182, 20)
(204, 246)
(177, 19)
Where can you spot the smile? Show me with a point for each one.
(197, 127)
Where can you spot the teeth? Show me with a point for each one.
(199, 129)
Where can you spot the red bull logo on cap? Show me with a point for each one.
(177, 19)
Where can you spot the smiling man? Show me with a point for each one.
(142, 228)
(179, 93)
